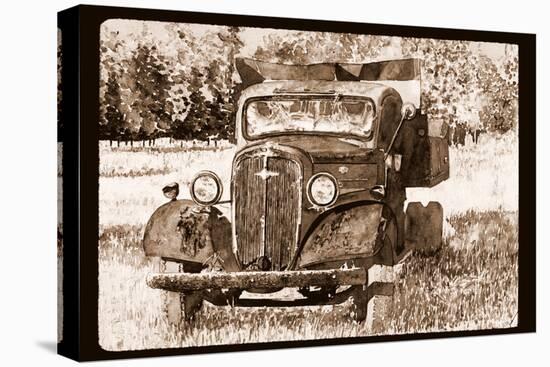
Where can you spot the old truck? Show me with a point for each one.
(325, 153)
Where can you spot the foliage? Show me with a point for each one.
(152, 84)
(315, 47)
(448, 78)
(111, 125)
(462, 85)
(500, 110)
(59, 90)
(183, 84)
(184, 95)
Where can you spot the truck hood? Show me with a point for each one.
(324, 148)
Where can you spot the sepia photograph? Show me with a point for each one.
(234, 183)
(267, 185)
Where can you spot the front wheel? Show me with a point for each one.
(379, 310)
(373, 304)
(179, 307)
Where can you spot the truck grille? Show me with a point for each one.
(267, 204)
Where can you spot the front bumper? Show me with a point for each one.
(187, 282)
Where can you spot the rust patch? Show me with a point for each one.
(180, 230)
(194, 230)
(348, 234)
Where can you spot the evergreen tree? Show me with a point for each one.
(194, 122)
(152, 86)
(59, 89)
(111, 125)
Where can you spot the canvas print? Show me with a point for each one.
(262, 185)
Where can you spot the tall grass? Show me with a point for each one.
(484, 176)
(457, 288)
(130, 182)
(471, 283)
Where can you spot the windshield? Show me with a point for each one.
(322, 114)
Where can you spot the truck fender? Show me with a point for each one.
(343, 233)
(181, 230)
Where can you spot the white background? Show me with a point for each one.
(28, 182)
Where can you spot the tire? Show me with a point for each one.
(373, 304)
(379, 310)
(180, 308)
(359, 303)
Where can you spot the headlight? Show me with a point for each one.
(206, 188)
(322, 189)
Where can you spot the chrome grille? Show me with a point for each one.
(267, 209)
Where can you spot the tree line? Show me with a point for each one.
(145, 94)
(183, 86)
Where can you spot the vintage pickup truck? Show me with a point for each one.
(325, 153)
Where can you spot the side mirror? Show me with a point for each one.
(408, 111)
(171, 191)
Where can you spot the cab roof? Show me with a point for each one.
(372, 79)
(375, 91)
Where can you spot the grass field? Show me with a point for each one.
(471, 283)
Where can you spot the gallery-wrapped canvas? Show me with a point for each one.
(235, 182)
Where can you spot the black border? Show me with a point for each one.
(68, 135)
(80, 35)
